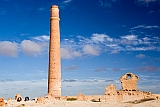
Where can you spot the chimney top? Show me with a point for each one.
(54, 6)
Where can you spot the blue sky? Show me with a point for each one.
(101, 40)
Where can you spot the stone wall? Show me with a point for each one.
(128, 92)
(129, 81)
(2, 103)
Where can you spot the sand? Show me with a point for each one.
(57, 103)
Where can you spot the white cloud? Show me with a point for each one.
(94, 86)
(145, 27)
(147, 2)
(31, 48)
(99, 43)
(91, 50)
(106, 3)
(25, 88)
(100, 38)
(143, 48)
(112, 45)
(150, 27)
(41, 9)
(8, 49)
(67, 1)
(87, 87)
(129, 37)
(140, 56)
(42, 38)
(69, 53)
(114, 52)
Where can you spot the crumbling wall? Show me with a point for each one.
(17, 96)
(129, 81)
(111, 90)
(2, 103)
(111, 93)
(81, 97)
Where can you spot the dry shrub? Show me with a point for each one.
(71, 99)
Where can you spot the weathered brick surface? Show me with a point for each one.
(111, 90)
(129, 81)
(81, 97)
(2, 103)
(17, 96)
(54, 74)
(128, 92)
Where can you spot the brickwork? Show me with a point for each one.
(2, 103)
(128, 92)
(54, 75)
(129, 81)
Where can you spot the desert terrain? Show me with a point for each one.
(62, 103)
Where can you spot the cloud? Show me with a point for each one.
(145, 27)
(31, 48)
(36, 88)
(100, 69)
(43, 38)
(8, 49)
(116, 69)
(148, 68)
(114, 52)
(100, 38)
(87, 86)
(129, 37)
(147, 2)
(65, 3)
(41, 9)
(91, 50)
(100, 43)
(34, 47)
(32, 89)
(69, 80)
(72, 67)
(107, 3)
(140, 56)
(69, 53)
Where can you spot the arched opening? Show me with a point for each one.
(129, 76)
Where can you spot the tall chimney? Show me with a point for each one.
(54, 72)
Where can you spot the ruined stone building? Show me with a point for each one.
(128, 92)
(129, 81)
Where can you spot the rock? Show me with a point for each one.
(19, 99)
(26, 98)
(40, 100)
(9, 99)
(111, 90)
(2, 103)
(17, 96)
(81, 97)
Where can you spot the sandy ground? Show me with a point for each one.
(153, 103)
